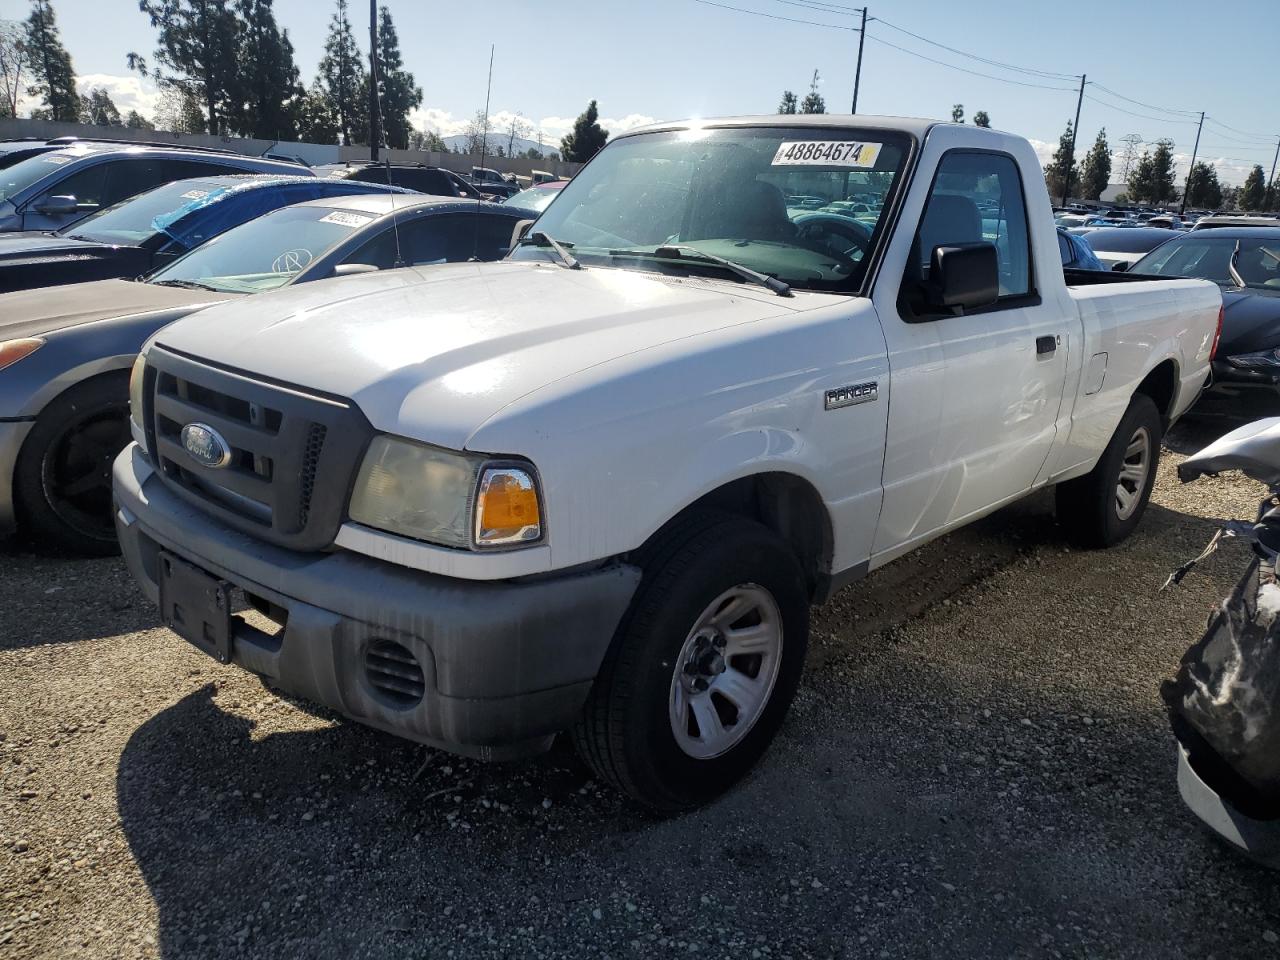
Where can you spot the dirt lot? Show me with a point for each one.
(978, 765)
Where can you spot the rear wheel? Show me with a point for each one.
(1104, 506)
(701, 672)
(62, 481)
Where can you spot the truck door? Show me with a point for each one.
(975, 397)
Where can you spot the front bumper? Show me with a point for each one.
(1229, 378)
(1258, 839)
(12, 435)
(506, 665)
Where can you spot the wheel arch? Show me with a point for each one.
(1161, 385)
(787, 504)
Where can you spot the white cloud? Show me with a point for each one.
(552, 128)
(126, 92)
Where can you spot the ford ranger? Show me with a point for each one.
(596, 487)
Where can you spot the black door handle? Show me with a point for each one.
(1046, 345)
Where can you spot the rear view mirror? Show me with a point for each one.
(964, 276)
(1120, 267)
(58, 206)
(353, 269)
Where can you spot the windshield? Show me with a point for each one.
(265, 253)
(778, 200)
(131, 222)
(535, 198)
(1207, 256)
(1127, 241)
(24, 173)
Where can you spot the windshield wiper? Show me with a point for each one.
(1235, 273)
(184, 284)
(692, 255)
(541, 239)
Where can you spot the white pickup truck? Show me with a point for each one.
(597, 486)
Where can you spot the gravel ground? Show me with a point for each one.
(977, 765)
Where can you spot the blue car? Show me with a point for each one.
(157, 227)
(1076, 254)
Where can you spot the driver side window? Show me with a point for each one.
(978, 197)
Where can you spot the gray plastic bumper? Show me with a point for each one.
(505, 664)
(1259, 839)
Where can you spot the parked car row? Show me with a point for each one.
(80, 301)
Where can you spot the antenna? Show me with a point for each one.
(484, 142)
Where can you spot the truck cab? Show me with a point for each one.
(596, 488)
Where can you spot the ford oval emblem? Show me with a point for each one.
(206, 445)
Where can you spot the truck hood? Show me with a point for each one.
(32, 259)
(32, 313)
(431, 353)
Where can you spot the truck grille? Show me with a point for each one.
(292, 453)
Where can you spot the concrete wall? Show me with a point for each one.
(312, 153)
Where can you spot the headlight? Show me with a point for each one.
(1262, 359)
(452, 499)
(136, 377)
(11, 351)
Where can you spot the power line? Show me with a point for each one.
(943, 63)
(1246, 133)
(993, 63)
(1149, 106)
(817, 7)
(1141, 116)
(774, 16)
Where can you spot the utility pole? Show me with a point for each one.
(857, 74)
(1272, 182)
(375, 125)
(1194, 150)
(1075, 129)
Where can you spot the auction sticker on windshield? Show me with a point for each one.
(826, 153)
(345, 218)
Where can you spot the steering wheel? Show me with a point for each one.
(835, 236)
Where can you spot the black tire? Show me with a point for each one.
(1089, 506)
(625, 734)
(62, 480)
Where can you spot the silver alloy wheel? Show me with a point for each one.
(725, 672)
(1133, 473)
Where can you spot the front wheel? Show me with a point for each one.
(1104, 506)
(701, 672)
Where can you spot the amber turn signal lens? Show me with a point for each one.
(11, 351)
(507, 509)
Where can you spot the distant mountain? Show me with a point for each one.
(459, 141)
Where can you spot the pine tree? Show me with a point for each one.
(1253, 193)
(179, 111)
(789, 103)
(50, 66)
(1062, 168)
(98, 109)
(397, 91)
(343, 78)
(14, 63)
(1095, 172)
(197, 52)
(1163, 186)
(813, 103)
(957, 113)
(316, 122)
(1142, 179)
(587, 137)
(136, 121)
(1273, 194)
(980, 119)
(269, 92)
(1203, 188)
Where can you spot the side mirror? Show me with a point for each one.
(58, 206)
(1120, 267)
(353, 269)
(964, 276)
(521, 231)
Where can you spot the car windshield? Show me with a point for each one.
(535, 198)
(1127, 241)
(131, 222)
(772, 199)
(1208, 257)
(265, 253)
(24, 173)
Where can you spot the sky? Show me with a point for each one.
(669, 59)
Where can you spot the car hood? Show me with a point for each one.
(32, 313)
(24, 245)
(1250, 321)
(431, 353)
